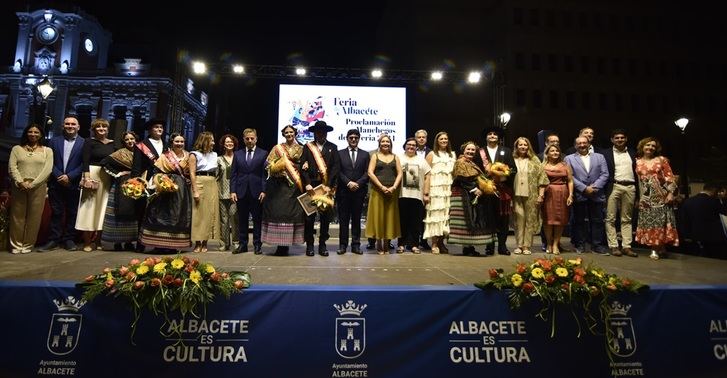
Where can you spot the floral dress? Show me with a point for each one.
(657, 225)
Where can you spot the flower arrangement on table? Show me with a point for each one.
(558, 281)
(165, 285)
(134, 188)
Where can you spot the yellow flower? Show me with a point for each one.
(195, 276)
(142, 270)
(612, 280)
(516, 280)
(561, 272)
(597, 273)
(537, 273)
(210, 269)
(109, 276)
(575, 262)
(160, 267)
(177, 263)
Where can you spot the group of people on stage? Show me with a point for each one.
(424, 194)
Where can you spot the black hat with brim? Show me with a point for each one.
(491, 129)
(321, 126)
(155, 121)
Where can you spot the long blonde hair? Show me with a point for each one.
(530, 154)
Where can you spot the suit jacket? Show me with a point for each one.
(608, 155)
(74, 168)
(356, 174)
(248, 176)
(699, 219)
(313, 173)
(502, 155)
(142, 162)
(596, 177)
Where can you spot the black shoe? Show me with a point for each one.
(342, 250)
(70, 245)
(258, 248)
(371, 246)
(601, 251)
(489, 249)
(240, 249)
(356, 250)
(49, 246)
(309, 250)
(425, 246)
(322, 249)
(281, 251)
(128, 246)
(118, 247)
(391, 246)
(504, 252)
(139, 248)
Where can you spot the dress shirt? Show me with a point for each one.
(586, 159)
(623, 166)
(67, 148)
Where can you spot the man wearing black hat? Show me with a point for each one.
(146, 153)
(491, 153)
(320, 165)
(352, 182)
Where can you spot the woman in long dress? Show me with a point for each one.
(205, 214)
(415, 178)
(558, 197)
(436, 223)
(529, 188)
(30, 165)
(471, 221)
(121, 223)
(94, 197)
(229, 234)
(168, 217)
(382, 215)
(656, 226)
(283, 220)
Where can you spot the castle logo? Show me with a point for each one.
(65, 326)
(350, 339)
(621, 338)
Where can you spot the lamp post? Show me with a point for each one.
(44, 88)
(504, 119)
(682, 125)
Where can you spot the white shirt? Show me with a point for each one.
(622, 166)
(158, 146)
(586, 159)
(206, 162)
(491, 153)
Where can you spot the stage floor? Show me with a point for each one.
(367, 269)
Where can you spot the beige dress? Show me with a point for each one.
(26, 209)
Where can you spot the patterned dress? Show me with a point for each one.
(657, 224)
(471, 224)
(436, 222)
(283, 219)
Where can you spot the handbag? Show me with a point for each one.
(90, 184)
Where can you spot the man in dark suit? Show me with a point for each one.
(320, 164)
(352, 184)
(491, 153)
(63, 191)
(146, 154)
(700, 225)
(247, 189)
(590, 175)
(621, 192)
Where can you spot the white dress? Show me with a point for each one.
(440, 190)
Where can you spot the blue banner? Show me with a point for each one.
(284, 331)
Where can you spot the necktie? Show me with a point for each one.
(353, 157)
(249, 155)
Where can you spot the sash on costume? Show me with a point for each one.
(318, 157)
(174, 161)
(289, 167)
(146, 151)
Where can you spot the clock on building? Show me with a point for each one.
(47, 34)
(88, 45)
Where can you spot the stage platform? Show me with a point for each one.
(367, 269)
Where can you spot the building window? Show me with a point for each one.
(602, 101)
(570, 100)
(535, 62)
(537, 99)
(520, 61)
(616, 66)
(534, 17)
(586, 100)
(585, 64)
(552, 63)
(553, 99)
(520, 98)
(568, 63)
(635, 103)
(517, 16)
(617, 102)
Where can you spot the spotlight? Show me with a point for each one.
(238, 69)
(199, 68)
(437, 75)
(474, 77)
(376, 74)
(300, 71)
(682, 124)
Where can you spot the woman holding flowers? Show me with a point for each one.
(168, 216)
(205, 212)
(436, 223)
(656, 225)
(229, 233)
(283, 219)
(95, 185)
(120, 223)
(558, 197)
(382, 216)
(470, 221)
(529, 191)
(29, 166)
